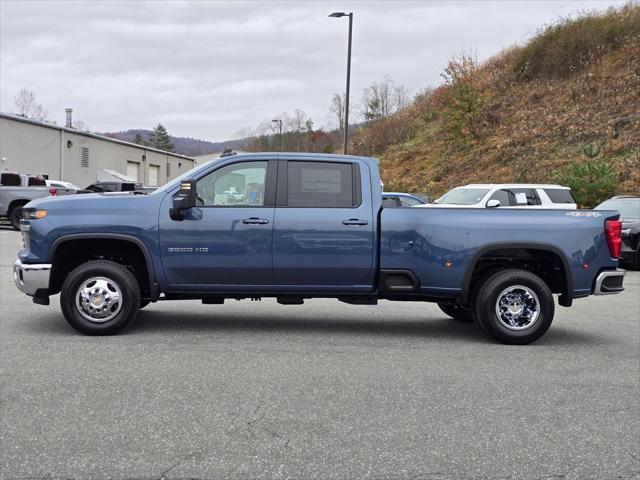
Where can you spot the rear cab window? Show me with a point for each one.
(322, 185)
(36, 182)
(559, 195)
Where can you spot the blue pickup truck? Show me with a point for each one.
(297, 226)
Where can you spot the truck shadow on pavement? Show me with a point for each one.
(160, 323)
(436, 328)
(304, 323)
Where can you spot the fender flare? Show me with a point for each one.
(154, 289)
(566, 297)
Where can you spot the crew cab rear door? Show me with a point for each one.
(324, 228)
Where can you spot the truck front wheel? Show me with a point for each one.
(514, 306)
(100, 297)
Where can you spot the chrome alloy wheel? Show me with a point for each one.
(517, 307)
(98, 299)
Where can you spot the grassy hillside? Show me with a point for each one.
(524, 115)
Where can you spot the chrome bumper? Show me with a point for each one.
(609, 282)
(31, 277)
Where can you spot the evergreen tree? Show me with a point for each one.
(160, 139)
(139, 139)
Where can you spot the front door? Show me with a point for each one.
(323, 227)
(225, 241)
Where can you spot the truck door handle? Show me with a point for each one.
(255, 221)
(355, 221)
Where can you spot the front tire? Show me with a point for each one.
(456, 312)
(514, 306)
(636, 261)
(15, 215)
(100, 297)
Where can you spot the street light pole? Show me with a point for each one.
(346, 100)
(279, 122)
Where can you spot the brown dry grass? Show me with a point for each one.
(539, 122)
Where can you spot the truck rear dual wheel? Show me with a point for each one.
(100, 297)
(514, 306)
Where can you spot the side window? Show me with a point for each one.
(36, 182)
(320, 184)
(502, 196)
(524, 197)
(391, 202)
(559, 195)
(10, 180)
(240, 184)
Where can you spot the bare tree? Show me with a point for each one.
(377, 99)
(336, 108)
(80, 125)
(26, 106)
(381, 99)
(400, 97)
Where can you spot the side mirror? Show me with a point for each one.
(184, 199)
(493, 203)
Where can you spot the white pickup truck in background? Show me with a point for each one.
(16, 190)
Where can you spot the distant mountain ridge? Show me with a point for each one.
(191, 147)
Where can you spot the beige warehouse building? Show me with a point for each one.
(63, 153)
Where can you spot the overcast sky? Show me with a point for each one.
(208, 69)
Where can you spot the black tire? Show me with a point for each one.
(635, 265)
(118, 279)
(144, 302)
(15, 215)
(456, 312)
(530, 294)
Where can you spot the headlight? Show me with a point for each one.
(33, 214)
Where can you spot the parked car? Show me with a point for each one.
(100, 187)
(295, 226)
(16, 190)
(515, 195)
(397, 199)
(629, 208)
(62, 186)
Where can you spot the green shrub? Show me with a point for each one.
(591, 182)
(463, 99)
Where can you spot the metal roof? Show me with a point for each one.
(90, 134)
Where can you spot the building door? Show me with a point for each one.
(132, 170)
(154, 173)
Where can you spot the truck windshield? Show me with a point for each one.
(463, 196)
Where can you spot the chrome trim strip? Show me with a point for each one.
(31, 277)
(618, 272)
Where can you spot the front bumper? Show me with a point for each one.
(609, 282)
(32, 278)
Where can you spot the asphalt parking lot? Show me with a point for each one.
(324, 390)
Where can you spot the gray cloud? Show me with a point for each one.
(210, 68)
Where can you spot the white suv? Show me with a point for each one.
(512, 195)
